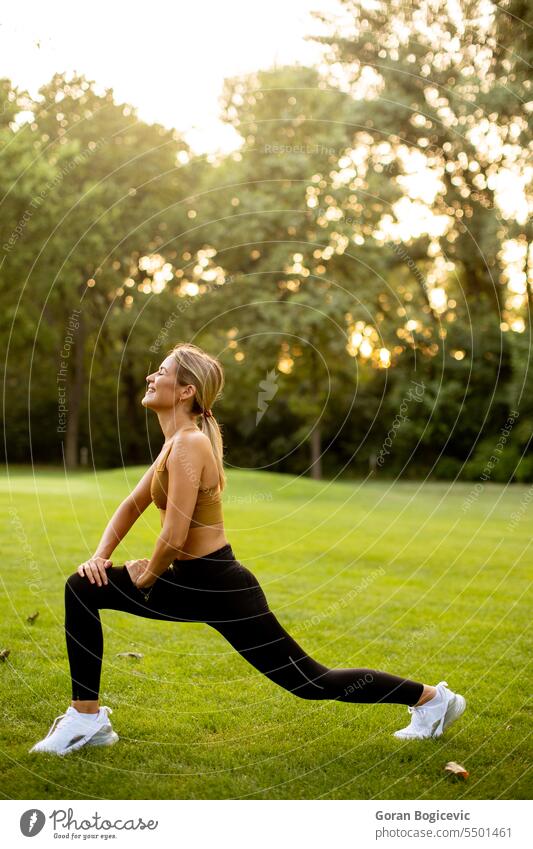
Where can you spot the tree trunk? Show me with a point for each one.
(316, 461)
(75, 394)
(316, 433)
(134, 449)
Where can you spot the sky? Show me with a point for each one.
(169, 59)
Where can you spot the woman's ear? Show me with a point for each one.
(183, 393)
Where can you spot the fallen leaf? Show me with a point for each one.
(456, 769)
(130, 654)
(4, 654)
(32, 617)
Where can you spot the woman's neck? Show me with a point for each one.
(173, 428)
(181, 429)
(171, 424)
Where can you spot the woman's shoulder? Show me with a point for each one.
(193, 443)
(190, 438)
(194, 451)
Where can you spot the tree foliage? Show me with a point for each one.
(361, 242)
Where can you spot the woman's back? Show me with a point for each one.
(208, 508)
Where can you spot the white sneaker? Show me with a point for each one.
(75, 729)
(432, 718)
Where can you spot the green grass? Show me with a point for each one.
(445, 598)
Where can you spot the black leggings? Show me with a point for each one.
(220, 591)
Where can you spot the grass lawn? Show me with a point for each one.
(415, 579)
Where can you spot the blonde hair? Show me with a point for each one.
(197, 367)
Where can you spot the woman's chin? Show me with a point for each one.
(147, 401)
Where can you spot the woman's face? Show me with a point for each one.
(162, 391)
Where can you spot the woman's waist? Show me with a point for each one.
(219, 579)
(221, 555)
(195, 526)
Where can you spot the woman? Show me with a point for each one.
(193, 576)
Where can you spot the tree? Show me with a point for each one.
(292, 317)
(431, 95)
(113, 200)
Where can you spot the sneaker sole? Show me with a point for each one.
(77, 745)
(99, 740)
(399, 736)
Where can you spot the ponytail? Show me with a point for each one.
(210, 427)
(197, 367)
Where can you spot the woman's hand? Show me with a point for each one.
(136, 568)
(95, 569)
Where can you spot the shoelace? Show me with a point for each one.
(57, 719)
(416, 716)
(417, 712)
(69, 716)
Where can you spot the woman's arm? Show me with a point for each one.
(126, 515)
(185, 463)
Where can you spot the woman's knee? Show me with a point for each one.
(76, 585)
(309, 683)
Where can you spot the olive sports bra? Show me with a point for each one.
(208, 508)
